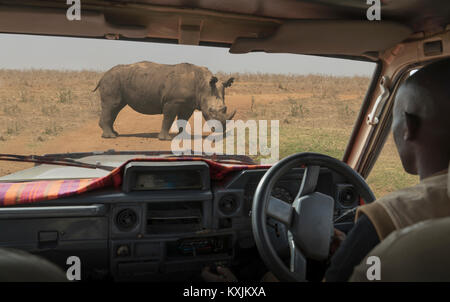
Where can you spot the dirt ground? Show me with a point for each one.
(136, 132)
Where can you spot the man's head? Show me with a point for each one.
(421, 120)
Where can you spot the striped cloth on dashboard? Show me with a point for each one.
(30, 192)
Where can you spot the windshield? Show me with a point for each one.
(66, 95)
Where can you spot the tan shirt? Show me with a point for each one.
(418, 253)
(427, 200)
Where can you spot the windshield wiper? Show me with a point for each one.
(66, 158)
(45, 159)
(232, 159)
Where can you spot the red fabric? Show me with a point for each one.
(35, 191)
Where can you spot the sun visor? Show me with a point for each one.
(326, 38)
(47, 21)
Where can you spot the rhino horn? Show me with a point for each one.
(231, 115)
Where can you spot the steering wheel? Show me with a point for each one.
(309, 219)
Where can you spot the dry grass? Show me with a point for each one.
(42, 103)
(315, 85)
(388, 175)
(316, 113)
(316, 121)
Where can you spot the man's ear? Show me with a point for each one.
(213, 81)
(228, 83)
(412, 126)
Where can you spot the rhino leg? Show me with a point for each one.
(108, 116)
(170, 112)
(185, 115)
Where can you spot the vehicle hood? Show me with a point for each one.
(52, 172)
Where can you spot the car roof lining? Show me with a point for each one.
(319, 27)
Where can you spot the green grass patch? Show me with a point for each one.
(331, 142)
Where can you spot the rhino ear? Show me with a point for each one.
(213, 81)
(228, 83)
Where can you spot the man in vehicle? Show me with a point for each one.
(421, 129)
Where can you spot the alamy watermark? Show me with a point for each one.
(73, 273)
(223, 141)
(374, 270)
(74, 11)
(374, 11)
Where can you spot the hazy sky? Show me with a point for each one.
(25, 51)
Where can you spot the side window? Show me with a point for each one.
(388, 174)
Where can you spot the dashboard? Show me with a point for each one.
(166, 222)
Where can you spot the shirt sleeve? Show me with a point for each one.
(358, 243)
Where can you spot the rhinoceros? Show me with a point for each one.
(172, 90)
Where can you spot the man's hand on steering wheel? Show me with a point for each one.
(338, 238)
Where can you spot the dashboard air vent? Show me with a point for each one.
(126, 219)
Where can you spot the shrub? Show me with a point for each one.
(65, 96)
